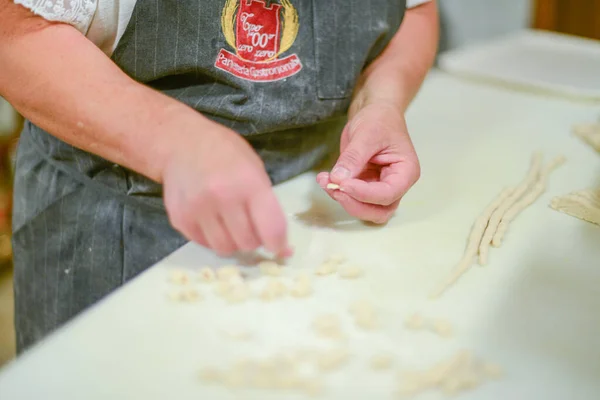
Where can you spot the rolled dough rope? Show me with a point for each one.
(473, 243)
(497, 215)
(538, 188)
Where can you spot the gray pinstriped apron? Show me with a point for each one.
(281, 74)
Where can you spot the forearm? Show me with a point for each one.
(61, 82)
(397, 74)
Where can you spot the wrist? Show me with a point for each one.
(170, 128)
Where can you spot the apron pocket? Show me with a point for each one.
(347, 34)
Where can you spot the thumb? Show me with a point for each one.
(353, 159)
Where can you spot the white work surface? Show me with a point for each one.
(543, 60)
(535, 309)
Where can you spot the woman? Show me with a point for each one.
(202, 104)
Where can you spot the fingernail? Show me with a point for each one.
(340, 173)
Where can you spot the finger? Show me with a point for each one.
(269, 221)
(216, 234)
(188, 228)
(195, 234)
(364, 211)
(323, 179)
(354, 157)
(396, 180)
(240, 227)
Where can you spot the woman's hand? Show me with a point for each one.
(217, 193)
(377, 163)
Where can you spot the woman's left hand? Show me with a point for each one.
(377, 163)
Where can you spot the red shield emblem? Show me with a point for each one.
(254, 31)
(257, 31)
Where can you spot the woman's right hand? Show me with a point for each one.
(217, 193)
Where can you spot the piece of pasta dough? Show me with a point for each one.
(473, 243)
(228, 272)
(333, 186)
(207, 274)
(415, 322)
(589, 133)
(179, 277)
(270, 268)
(529, 198)
(301, 286)
(186, 296)
(459, 373)
(584, 204)
(333, 359)
(381, 362)
(327, 268)
(364, 315)
(328, 327)
(496, 217)
(351, 272)
(274, 289)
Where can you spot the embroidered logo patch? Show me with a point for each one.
(259, 34)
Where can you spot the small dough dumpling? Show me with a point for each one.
(312, 387)
(351, 272)
(364, 315)
(270, 268)
(210, 375)
(207, 275)
(442, 328)
(301, 287)
(179, 277)
(328, 326)
(327, 268)
(274, 289)
(228, 272)
(186, 296)
(237, 293)
(330, 360)
(415, 322)
(381, 362)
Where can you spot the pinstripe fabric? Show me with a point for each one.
(83, 226)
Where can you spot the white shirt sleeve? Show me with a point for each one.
(78, 13)
(414, 3)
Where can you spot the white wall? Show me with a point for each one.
(468, 21)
